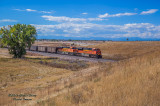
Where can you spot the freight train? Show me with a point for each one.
(89, 52)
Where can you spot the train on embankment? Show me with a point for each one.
(88, 52)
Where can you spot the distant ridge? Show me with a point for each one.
(98, 38)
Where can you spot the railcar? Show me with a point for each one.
(91, 52)
(33, 48)
(66, 50)
(52, 49)
(42, 48)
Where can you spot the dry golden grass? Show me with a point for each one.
(130, 82)
(133, 81)
(4, 53)
(124, 50)
(19, 75)
(18, 71)
(34, 74)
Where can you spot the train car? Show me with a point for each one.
(42, 48)
(52, 49)
(67, 50)
(91, 52)
(63, 50)
(33, 48)
(95, 53)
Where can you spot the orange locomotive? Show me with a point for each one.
(91, 52)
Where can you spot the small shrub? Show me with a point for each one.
(77, 97)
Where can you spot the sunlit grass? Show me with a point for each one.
(133, 82)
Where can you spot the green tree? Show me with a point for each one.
(17, 38)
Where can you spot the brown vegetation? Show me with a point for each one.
(22, 76)
(131, 82)
(73, 65)
(32, 75)
(125, 50)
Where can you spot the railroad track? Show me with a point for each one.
(62, 56)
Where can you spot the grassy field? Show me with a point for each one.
(134, 80)
(125, 50)
(19, 76)
(34, 72)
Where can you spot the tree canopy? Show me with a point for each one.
(17, 38)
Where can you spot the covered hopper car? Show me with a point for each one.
(42, 48)
(51, 49)
(33, 48)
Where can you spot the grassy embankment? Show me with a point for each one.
(125, 50)
(131, 82)
(32, 73)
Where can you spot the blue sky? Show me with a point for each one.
(85, 19)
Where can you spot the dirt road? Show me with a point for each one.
(71, 57)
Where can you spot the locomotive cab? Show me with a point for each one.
(98, 52)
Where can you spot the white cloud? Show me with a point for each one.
(142, 30)
(68, 19)
(30, 10)
(18, 10)
(84, 13)
(95, 19)
(151, 11)
(62, 18)
(45, 12)
(104, 15)
(116, 15)
(8, 20)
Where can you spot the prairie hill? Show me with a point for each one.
(129, 82)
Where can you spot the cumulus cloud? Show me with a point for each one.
(8, 20)
(142, 30)
(151, 11)
(116, 15)
(68, 19)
